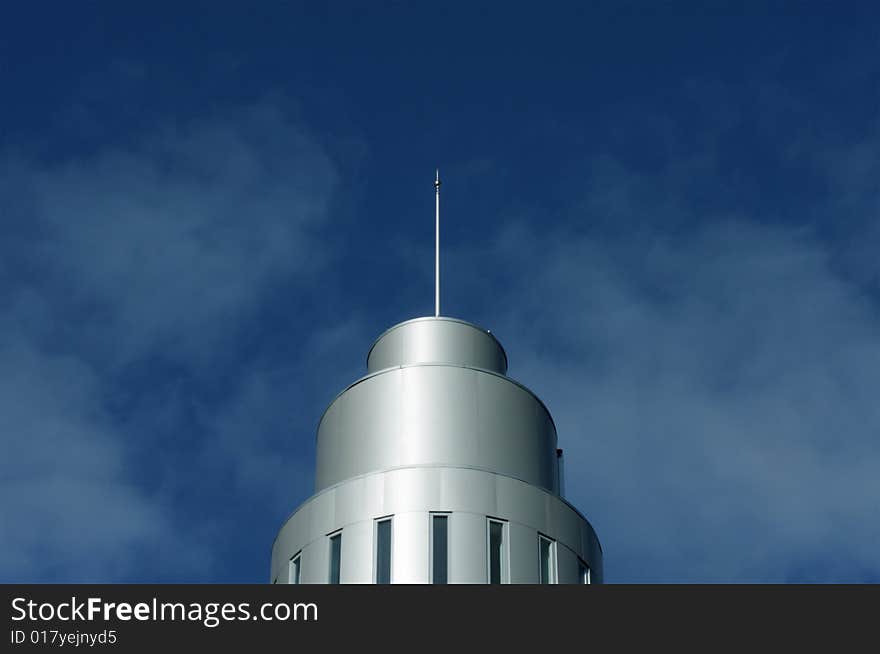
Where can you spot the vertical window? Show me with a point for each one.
(335, 557)
(439, 548)
(560, 471)
(294, 568)
(497, 563)
(583, 572)
(546, 560)
(383, 551)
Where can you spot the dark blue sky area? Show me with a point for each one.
(667, 212)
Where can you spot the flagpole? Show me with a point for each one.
(437, 245)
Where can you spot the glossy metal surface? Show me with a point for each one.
(437, 340)
(409, 495)
(437, 415)
(436, 426)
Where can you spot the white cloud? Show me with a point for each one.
(68, 510)
(167, 244)
(715, 394)
(115, 264)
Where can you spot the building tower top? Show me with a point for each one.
(436, 467)
(437, 340)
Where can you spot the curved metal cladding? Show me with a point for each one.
(411, 496)
(436, 426)
(437, 340)
(434, 414)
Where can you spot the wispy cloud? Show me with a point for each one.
(128, 277)
(714, 387)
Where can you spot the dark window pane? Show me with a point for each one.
(335, 554)
(584, 573)
(545, 560)
(383, 552)
(293, 575)
(496, 533)
(439, 550)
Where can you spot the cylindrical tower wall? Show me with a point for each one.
(437, 414)
(408, 497)
(436, 428)
(437, 340)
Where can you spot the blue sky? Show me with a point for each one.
(667, 212)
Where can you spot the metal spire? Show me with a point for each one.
(437, 246)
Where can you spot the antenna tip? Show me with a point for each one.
(437, 179)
